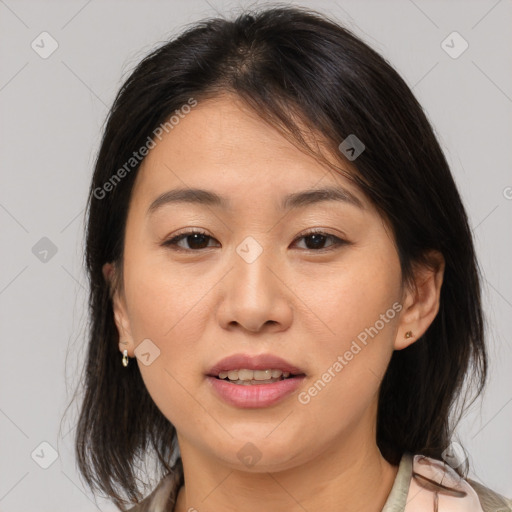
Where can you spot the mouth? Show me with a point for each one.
(247, 377)
(250, 370)
(251, 393)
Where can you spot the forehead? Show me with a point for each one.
(222, 145)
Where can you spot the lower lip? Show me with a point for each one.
(255, 395)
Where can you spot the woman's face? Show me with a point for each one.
(258, 282)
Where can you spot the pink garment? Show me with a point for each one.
(436, 487)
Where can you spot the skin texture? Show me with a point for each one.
(302, 303)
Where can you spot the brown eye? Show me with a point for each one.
(196, 240)
(315, 241)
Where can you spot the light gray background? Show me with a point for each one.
(52, 112)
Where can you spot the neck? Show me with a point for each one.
(347, 476)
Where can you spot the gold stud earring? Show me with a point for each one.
(125, 357)
(408, 334)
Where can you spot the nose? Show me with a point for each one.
(254, 296)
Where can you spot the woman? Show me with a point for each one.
(278, 250)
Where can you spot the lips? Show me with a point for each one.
(255, 362)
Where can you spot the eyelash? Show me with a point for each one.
(172, 242)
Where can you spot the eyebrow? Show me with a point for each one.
(289, 202)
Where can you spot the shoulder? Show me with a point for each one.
(490, 500)
(158, 500)
(163, 497)
(434, 476)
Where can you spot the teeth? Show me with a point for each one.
(249, 375)
(251, 382)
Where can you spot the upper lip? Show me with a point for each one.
(253, 362)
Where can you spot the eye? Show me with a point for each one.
(196, 239)
(317, 240)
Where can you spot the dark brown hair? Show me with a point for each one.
(291, 65)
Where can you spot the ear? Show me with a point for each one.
(421, 300)
(121, 318)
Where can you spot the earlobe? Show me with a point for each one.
(120, 312)
(422, 301)
(122, 323)
(107, 271)
(407, 339)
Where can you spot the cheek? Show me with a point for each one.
(162, 297)
(167, 306)
(352, 295)
(358, 306)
